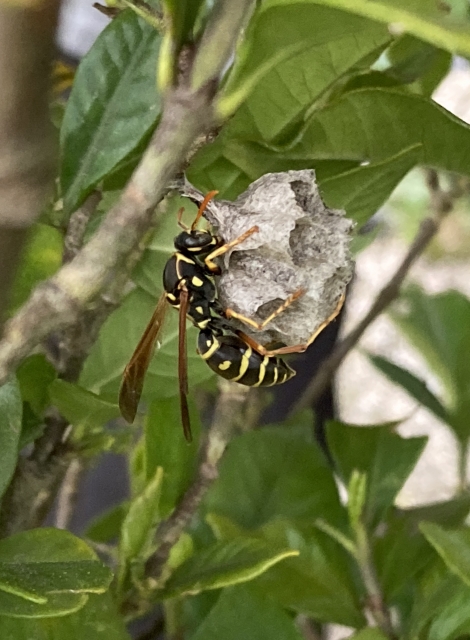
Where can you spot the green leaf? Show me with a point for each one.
(165, 447)
(35, 374)
(386, 458)
(108, 357)
(81, 407)
(363, 190)
(453, 620)
(291, 54)
(10, 430)
(384, 122)
(44, 571)
(41, 258)
(382, 125)
(400, 554)
(98, 619)
(424, 19)
(415, 386)
(320, 582)
(438, 590)
(453, 545)
(140, 522)
(223, 564)
(413, 61)
(267, 474)
(242, 612)
(113, 105)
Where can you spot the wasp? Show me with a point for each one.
(188, 286)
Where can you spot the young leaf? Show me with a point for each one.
(10, 430)
(223, 564)
(415, 386)
(453, 545)
(81, 407)
(96, 620)
(267, 474)
(356, 497)
(113, 105)
(140, 523)
(383, 455)
(242, 612)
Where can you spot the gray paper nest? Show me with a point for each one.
(301, 244)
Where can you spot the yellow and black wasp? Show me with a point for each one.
(188, 285)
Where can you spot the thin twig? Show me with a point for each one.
(227, 416)
(441, 204)
(68, 494)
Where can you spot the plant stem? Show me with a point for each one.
(375, 601)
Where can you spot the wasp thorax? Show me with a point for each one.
(301, 248)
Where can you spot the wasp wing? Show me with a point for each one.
(183, 365)
(134, 373)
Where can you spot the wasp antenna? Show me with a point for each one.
(202, 207)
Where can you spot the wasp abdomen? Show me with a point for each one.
(233, 359)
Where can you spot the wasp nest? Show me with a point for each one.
(300, 245)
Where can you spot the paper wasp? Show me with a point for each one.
(188, 285)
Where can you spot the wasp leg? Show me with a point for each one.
(209, 260)
(296, 348)
(179, 220)
(230, 313)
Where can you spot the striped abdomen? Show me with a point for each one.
(231, 358)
